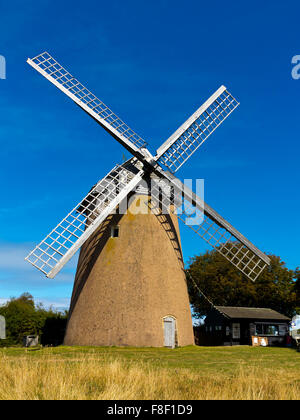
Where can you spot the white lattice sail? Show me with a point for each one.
(63, 80)
(210, 226)
(50, 255)
(193, 133)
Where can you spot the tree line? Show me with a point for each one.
(223, 284)
(24, 317)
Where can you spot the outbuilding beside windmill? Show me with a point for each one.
(230, 325)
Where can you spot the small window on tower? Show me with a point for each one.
(115, 232)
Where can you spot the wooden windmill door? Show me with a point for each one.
(169, 332)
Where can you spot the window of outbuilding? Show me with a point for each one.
(267, 329)
(272, 329)
(259, 329)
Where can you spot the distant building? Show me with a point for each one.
(228, 325)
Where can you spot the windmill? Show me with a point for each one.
(130, 287)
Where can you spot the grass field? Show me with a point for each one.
(239, 372)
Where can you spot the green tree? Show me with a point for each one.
(26, 298)
(23, 317)
(297, 288)
(225, 285)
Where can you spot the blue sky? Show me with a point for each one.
(153, 63)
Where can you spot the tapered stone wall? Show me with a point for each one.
(126, 285)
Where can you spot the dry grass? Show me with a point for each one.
(91, 376)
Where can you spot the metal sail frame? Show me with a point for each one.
(183, 143)
(49, 68)
(53, 252)
(214, 229)
(63, 241)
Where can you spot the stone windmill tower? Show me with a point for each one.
(130, 287)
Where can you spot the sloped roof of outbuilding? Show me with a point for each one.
(253, 313)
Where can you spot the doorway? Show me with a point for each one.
(169, 332)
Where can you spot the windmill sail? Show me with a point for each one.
(50, 255)
(178, 148)
(63, 80)
(214, 229)
(59, 246)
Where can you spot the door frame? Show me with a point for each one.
(174, 320)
